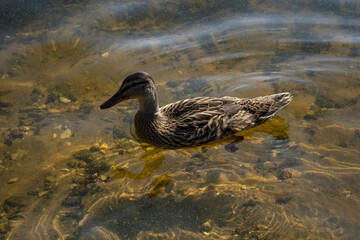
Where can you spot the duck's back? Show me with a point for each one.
(196, 121)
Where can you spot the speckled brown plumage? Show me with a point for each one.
(196, 121)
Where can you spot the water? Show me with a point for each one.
(72, 171)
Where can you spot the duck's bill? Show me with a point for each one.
(113, 101)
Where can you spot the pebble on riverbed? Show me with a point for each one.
(43, 193)
(66, 134)
(103, 178)
(13, 180)
(65, 100)
(285, 174)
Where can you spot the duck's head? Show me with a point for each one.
(138, 85)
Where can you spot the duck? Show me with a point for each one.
(195, 121)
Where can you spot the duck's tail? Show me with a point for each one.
(257, 111)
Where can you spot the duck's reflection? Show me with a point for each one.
(153, 160)
(276, 127)
(154, 157)
(159, 184)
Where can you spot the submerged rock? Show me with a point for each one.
(103, 178)
(285, 174)
(65, 100)
(283, 200)
(13, 180)
(250, 203)
(72, 201)
(83, 155)
(290, 162)
(43, 193)
(207, 226)
(15, 202)
(66, 134)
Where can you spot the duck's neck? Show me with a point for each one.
(149, 105)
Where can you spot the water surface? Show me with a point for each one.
(72, 171)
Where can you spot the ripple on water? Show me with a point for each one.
(293, 177)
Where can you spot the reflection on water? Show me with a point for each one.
(153, 160)
(71, 171)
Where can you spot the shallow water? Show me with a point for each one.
(72, 171)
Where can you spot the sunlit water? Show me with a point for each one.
(72, 171)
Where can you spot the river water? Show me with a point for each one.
(72, 171)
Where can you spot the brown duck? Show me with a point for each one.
(192, 122)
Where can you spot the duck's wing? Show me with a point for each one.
(195, 121)
(205, 108)
(205, 119)
(194, 107)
